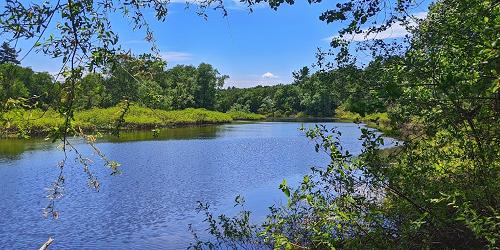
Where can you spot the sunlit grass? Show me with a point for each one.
(240, 115)
(378, 121)
(36, 121)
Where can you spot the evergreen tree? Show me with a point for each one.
(8, 54)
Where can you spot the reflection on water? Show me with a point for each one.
(183, 133)
(12, 147)
(151, 204)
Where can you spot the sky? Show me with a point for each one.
(259, 48)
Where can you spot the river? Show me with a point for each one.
(150, 205)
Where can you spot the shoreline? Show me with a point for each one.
(143, 119)
(127, 128)
(37, 123)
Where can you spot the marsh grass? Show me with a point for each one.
(36, 121)
(379, 121)
(240, 115)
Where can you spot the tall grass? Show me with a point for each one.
(240, 115)
(36, 121)
(378, 121)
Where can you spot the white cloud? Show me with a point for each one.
(175, 56)
(269, 75)
(397, 30)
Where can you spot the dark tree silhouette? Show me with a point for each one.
(8, 54)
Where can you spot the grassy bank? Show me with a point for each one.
(240, 115)
(31, 122)
(379, 121)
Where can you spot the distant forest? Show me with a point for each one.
(145, 80)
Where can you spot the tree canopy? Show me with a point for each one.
(8, 54)
(438, 87)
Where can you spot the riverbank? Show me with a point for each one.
(39, 122)
(379, 121)
(36, 122)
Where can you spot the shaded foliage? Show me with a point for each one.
(8, 54)
(438, 189)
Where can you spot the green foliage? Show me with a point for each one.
(91, 92)
(141, 79)
(229, 232)
(239, 108)
(380, 121)
(81, 37)
(424, 194)
(343, 114)
(316, 95)
(8, 54)
(181, 86)
(144, 79)
(150, 95)
(240, 115)
(439, 189)
(18, 82)
(207, 82)
(36, 121)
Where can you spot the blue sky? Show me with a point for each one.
(259, 48)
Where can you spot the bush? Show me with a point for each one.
(343, 114)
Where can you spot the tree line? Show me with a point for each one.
(312, 94)
(144, 79)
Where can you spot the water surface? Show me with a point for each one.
(150, 205)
